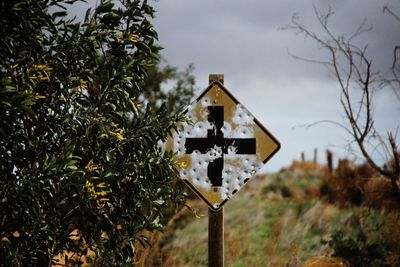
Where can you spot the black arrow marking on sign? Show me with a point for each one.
(215, 137)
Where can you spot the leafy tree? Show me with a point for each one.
(80, 165)
(357, 80)
(180, 91)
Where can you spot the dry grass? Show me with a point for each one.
(235, 245)
(307, 166)
(352, 184)
(377, 192)
(280, 221)
(392, 233)
(324, 261)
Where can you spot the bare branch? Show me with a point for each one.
(353, 71)
(306, 126)
(396, 154)
(308, 60)
(397, 47)
(394, 15)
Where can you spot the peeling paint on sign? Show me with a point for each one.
(223, 148)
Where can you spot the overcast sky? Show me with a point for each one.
(243, 40)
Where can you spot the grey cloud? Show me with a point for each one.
(242, 40)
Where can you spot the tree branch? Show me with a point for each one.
(353, 70)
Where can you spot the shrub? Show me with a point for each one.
(78, 132)
(346, 185)
(356, 249)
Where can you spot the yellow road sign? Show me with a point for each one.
(223, 148)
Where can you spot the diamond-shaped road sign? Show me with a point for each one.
(223, 147)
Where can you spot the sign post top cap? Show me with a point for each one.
(216, 77)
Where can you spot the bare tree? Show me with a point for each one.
(352, 68)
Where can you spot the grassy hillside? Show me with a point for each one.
(297, 217)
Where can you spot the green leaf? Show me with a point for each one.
(59, 14)
(159, 202)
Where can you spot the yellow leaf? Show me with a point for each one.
(119, 136)
(91, 167)
(101, 185)
(134, 38)
(83, 83)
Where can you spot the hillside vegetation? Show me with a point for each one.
(301, 216)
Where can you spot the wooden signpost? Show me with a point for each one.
(216, 218)
(219, 153)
